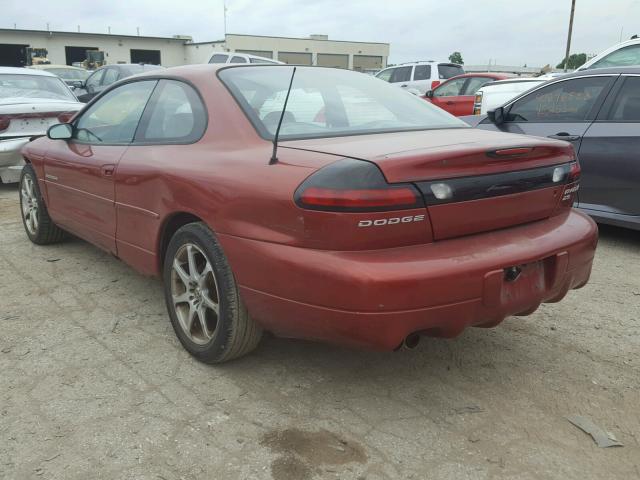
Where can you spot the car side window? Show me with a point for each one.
(475, 83)
(626, 107)
(450, 89)
(237, 59)
(422, 72)
(114, 117)
(401, 74)
(625, 57)
(219, 58)
(94, 79)
(175, 115)
(110, 76)
(565, 101)
(385, 74)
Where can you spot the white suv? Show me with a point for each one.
(625, 54)
(420, 77)
(233, 57)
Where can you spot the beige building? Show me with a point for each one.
(70, 47)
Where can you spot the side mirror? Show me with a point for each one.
(496, 116)
(61, 131)
(429, 94)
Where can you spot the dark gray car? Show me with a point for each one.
(105, 76)
(598, 111)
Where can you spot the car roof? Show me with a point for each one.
(129, 65)
(602, 71)
(500, 76)
(49, 65)
(24, 71)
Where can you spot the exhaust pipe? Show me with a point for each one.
(410, 342)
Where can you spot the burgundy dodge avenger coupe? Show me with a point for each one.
(312, 203)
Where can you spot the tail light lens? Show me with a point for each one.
(354, 186)
(65, 117)
(477, 104)
(434, 84)
(5, 120)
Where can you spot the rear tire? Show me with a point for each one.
(36, 220)
(202, 298)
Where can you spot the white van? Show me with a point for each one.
(420, 77)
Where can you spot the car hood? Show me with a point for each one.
(415, 156)
(473, 120)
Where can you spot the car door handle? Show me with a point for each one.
(565, 136)
(107, 170)
(450, 102)
(404, 86)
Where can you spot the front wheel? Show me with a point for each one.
(36, 220)
(202, 298)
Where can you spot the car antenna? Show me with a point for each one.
(274, 155)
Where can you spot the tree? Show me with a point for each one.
(456, 57)
(575, 60)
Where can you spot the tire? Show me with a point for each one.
(225, 333)
(35, 217)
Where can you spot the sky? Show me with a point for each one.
(504, 32)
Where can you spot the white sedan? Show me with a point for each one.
(30, 102)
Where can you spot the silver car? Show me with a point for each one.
(30, 102)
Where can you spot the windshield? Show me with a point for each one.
(69, 73)
(34, 86)
(326, 102)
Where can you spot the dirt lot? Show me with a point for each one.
(94, 384)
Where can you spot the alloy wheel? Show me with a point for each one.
(194, 292)
(29, 204)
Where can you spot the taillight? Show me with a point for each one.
(434, 84)
(65, 117)
(5, 120)
(572, 185)
(477, 104)
(354, 186)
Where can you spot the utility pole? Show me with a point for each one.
(566, 56)
(224, 10)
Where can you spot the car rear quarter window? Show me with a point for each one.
(565, 101)
(626, 107)
(237, 59)
(175, 114)
(449, 70)
(113, 119)
(219, 58)
(625, 57)
(422, 72)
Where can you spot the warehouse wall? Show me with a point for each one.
(117, 49)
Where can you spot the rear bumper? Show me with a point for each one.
(376, 298)
(11, 160)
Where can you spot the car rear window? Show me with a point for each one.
(327, 102)
(448, 70)
(34, 86)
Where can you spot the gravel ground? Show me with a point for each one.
(95, 385)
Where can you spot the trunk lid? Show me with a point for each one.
(471, 180)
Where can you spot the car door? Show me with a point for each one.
(79, 172)
(401, 77)
(562, 110)
(610, 154)
(90, 86)
(421, 81)
(447, 95)
(173, 122)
